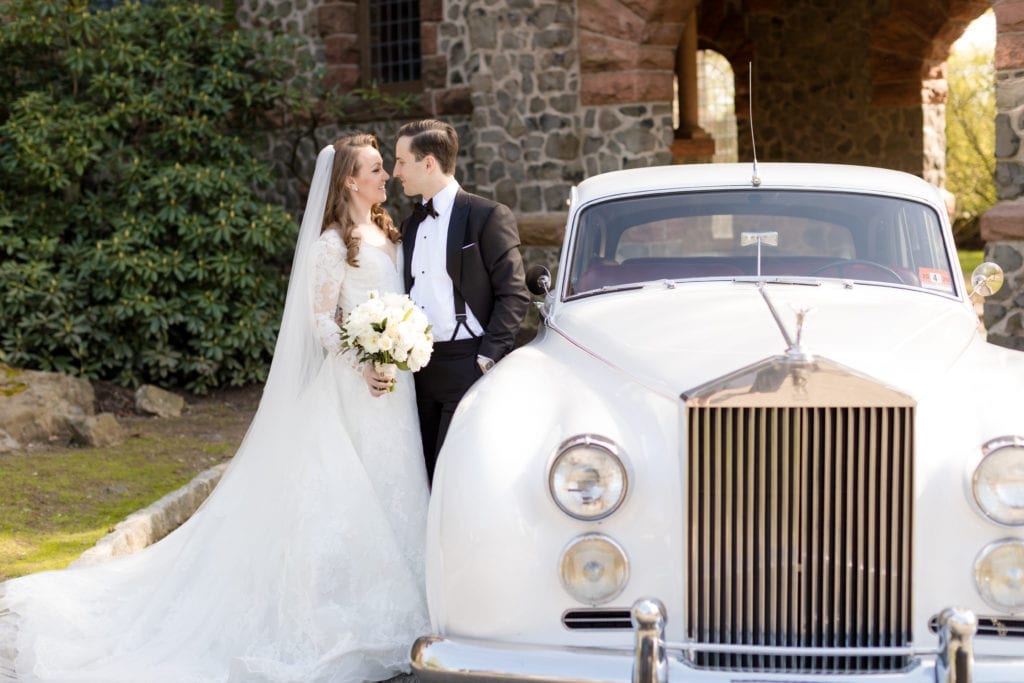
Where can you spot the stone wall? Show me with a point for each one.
(328, 32)
(1002, 226)
(1004, 311)
(547, 92)
(292, 185)
(806, 82)
(532, 134)
(525, 85)
(555, 91)
(297, 16)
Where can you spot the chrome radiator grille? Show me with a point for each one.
(800, 533)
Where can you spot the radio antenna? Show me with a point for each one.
(756, 179)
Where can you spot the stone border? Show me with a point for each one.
(149, 525)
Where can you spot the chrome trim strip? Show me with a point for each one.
(688, 647)
(603, 617)
(782, 382)
(437, 659)
(990, 627)
(442, 660)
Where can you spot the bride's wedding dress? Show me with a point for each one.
(304, 564)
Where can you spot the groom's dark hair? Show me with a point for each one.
(434, 138)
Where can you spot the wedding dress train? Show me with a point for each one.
(304, 564)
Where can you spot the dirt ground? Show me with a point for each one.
(220, 417)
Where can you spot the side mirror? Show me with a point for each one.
(538, 280)
(987, 279)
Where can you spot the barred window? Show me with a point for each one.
(393, 52)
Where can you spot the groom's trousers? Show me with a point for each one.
(440, 386)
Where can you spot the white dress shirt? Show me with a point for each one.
(432, 288)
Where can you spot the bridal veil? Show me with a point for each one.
(294, 569)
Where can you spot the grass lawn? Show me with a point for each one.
(56, 501)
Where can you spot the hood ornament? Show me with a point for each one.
(801, 317)
(794, 346)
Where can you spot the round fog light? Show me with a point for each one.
(999, 575)
(594, 569)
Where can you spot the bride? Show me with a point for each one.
(306, 562)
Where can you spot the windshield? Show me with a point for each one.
(799, 234)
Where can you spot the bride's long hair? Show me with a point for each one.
(336, 215)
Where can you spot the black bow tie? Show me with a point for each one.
(421, 211)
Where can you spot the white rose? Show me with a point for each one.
(400, 354)
(419, 356)
(370, 343)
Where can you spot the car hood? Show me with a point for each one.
(677, 338)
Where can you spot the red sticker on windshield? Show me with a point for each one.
(932, 278)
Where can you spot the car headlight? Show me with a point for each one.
(998, 481)
(594, 569)
(587, 478)
(999, 575)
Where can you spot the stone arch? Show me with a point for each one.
(901, 88)
(716, 101)
(720, 27)
(909, 48)
(627, 49)
(908, 51)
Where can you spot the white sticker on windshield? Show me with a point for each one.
(933, 278)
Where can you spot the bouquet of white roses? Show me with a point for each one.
(390, 331)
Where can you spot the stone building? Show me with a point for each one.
(547, 92)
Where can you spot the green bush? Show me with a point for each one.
(970, 140)
(133, 245)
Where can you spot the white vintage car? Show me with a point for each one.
(759, 437)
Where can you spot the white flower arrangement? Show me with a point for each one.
(390, 331)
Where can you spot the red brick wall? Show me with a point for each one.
(338, 21)
(627, 49)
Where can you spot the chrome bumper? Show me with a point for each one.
(453, 660)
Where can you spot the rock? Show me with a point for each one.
(156, 401)
(42, 406)
(7, 444)
(149, 525)
(98, 431)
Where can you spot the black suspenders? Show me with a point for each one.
(460, 313)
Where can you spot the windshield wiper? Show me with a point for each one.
(607, 289)
(782, 280)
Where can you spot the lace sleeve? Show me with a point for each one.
(329, 268)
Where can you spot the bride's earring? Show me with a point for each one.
(354, 188)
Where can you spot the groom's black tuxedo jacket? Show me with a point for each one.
(485, 267)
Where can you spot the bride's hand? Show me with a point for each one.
(377, 383)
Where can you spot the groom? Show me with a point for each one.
(462, 267)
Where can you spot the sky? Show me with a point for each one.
(980, 35)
